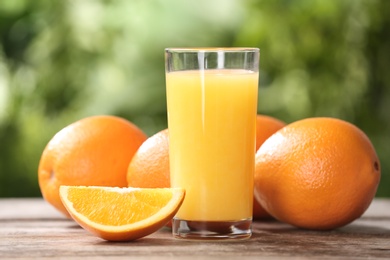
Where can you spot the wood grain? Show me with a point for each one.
(31, 228)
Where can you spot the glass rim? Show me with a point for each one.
(211, 49)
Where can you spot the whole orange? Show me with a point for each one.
(94, 151)
(265, 127)
(317, 173)
(149, 167)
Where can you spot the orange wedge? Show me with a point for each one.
(121, 214)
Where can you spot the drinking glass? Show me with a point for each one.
(212, 106)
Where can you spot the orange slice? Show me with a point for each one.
(121, 214)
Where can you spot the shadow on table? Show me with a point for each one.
(374, 226)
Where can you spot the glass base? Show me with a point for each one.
(211, 230)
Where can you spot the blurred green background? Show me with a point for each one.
(64, 60)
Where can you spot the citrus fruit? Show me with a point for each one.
(94, 151)
(265, 127)
(121, 214)
(317, 173)
(149, 167)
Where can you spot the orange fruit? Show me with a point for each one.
(317, 173)
(149, 167)
(94, 151)
(265, 127)
(121, 214)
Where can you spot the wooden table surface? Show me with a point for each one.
(31, 228)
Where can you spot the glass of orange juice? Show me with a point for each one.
(212, 107)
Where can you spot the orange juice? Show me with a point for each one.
(212, 128)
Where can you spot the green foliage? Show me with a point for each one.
(325, 58)
(64, 60)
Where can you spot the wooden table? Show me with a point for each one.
(31, 228)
